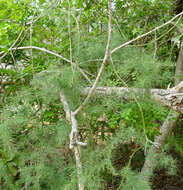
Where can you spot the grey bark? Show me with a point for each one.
(171, 98)
(179, 67)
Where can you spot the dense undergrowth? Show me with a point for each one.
(34, 134)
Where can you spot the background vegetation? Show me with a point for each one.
(34, 134)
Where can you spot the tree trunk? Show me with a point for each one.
(179, 67)
(166, 128)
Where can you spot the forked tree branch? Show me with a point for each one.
(73, 138)
(71, 116)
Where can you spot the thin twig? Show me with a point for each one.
(178, 28)
(19, 36)
(23, 38)
(147, 33)
(107, 54)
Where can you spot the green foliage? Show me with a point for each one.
(34, 135)
(175, 140)
(41, 143)
(140, 70)
(12, 17)
(168, 162)
(153, 116)
(100, 161)
(133, 180)
(49, 83)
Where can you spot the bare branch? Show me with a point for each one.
(52, 53)
(73, 138)
(44, 50)
(107, 54)
(147, 33)
(19, 36)
(79, 168)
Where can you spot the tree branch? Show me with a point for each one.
(107, 54)
(73, 138)
(171, 98)
(44, 50)
(147, 33)
(52, 53)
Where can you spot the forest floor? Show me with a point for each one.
(162, 179)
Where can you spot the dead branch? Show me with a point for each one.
(171, 98)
